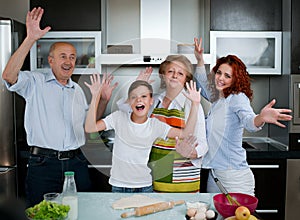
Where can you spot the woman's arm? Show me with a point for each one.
(91, 123)
(198, 51)
(272, 115)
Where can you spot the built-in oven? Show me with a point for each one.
(294, 130)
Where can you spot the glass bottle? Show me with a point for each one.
(69, 195)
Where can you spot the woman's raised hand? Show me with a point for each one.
(198, 51)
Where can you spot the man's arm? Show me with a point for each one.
(15, 63)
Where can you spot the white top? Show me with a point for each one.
(180, 102)
(131, 149)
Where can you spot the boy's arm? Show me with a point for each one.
(91, 123)
(195, 97)
(106, 93)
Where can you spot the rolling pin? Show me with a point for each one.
(149, 209)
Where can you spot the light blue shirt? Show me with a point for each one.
(225, 125)
(54, 114)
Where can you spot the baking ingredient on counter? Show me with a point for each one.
(47, 210)
(70, 195)
(134, 202)
(199, 211)
(149, 209)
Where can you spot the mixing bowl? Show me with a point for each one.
(226, 209)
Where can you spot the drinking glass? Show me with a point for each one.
(52, 197)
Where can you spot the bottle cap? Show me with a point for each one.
(69, 173)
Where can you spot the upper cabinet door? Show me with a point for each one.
(69, 15)
(295, 42)
(246, 15)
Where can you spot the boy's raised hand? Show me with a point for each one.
(192, 93)
(96, 84)
(145, 75)
(107, 87)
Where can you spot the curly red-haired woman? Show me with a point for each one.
(227, 87)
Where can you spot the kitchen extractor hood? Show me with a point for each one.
(155, 26)
(152, 28)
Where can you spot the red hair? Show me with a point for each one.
(240, 77)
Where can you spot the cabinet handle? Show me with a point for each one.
(99, 166)
(264, 166)
(267, 211)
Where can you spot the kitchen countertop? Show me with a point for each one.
(94, 206)
(100, 155)
(267, 148)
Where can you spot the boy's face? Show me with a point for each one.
(140, 101)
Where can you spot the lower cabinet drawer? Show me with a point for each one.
(270, 187)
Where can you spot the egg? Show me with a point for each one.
(202, 209)
(210, 214)
(200, 216)
(191, 212)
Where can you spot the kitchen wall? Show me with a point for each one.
(262, 85)
(15, 9)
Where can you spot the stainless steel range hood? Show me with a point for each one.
(152, 27)
(155, 26)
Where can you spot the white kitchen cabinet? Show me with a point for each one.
(259, 50)
(153, 29)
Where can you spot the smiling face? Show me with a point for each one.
(62, 58)
(140, 100)
(223, 77)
